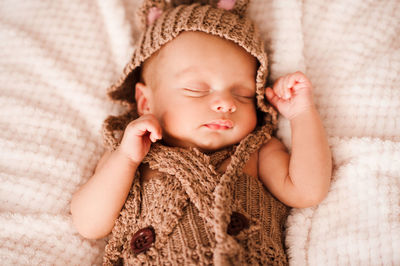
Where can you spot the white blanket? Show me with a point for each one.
(58, 57)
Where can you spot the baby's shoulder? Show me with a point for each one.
(251, 167)
(271, 146)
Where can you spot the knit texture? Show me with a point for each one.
(189, 205)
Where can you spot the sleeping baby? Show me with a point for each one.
(193, 174)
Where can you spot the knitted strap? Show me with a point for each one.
(227, 248)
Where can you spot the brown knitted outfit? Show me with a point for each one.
(189, 213)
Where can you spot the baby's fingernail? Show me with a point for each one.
(287, 95)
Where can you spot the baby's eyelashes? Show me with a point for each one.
(244, 95)
(194, 92)
(241, 95)
(245, 98)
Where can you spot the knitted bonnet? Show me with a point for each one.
(162, 21)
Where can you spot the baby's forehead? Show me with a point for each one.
(197, 52)
(148, 69)
(202, 41)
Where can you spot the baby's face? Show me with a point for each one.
(202, 91)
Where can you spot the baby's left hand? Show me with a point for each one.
(291, 95)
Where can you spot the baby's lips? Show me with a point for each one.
(220, 123)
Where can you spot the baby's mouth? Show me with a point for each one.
(220, 124)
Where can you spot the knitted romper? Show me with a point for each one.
(190, 214)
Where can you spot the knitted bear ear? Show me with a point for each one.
(150, 11)
(236, 6)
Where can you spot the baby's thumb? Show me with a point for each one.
(271, 96)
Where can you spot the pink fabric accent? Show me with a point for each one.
(226, 4)
(153, 15)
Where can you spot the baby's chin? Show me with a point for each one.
(205, 146)
(209, 147)
(206, 143)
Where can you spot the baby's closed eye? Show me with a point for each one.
(245, 95)
(241, 94)
(195, 92)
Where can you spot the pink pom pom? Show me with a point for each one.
(226, 4)
(153, 15)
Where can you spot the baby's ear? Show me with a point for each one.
(142, 98)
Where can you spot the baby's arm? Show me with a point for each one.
(303, 178)
(97, 204)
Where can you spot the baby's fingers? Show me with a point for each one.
(146, 125)
(287, 87)
(300, 86)
(299, 81)
(278, 87)
(282, 88)
(272, 97)
(154, 129)
(154, 136)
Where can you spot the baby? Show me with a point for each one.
(197, 175)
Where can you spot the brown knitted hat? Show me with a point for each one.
(162, 21)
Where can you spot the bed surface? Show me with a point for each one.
(57, 59)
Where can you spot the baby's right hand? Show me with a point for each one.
(138, 136)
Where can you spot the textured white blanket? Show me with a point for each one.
(58, 57)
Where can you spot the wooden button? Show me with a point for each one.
(237, 224)
(142, 240)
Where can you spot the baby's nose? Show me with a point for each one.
(224, 104)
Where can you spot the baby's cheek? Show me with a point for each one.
(250, 120)
(163, 119)
(173, 122)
